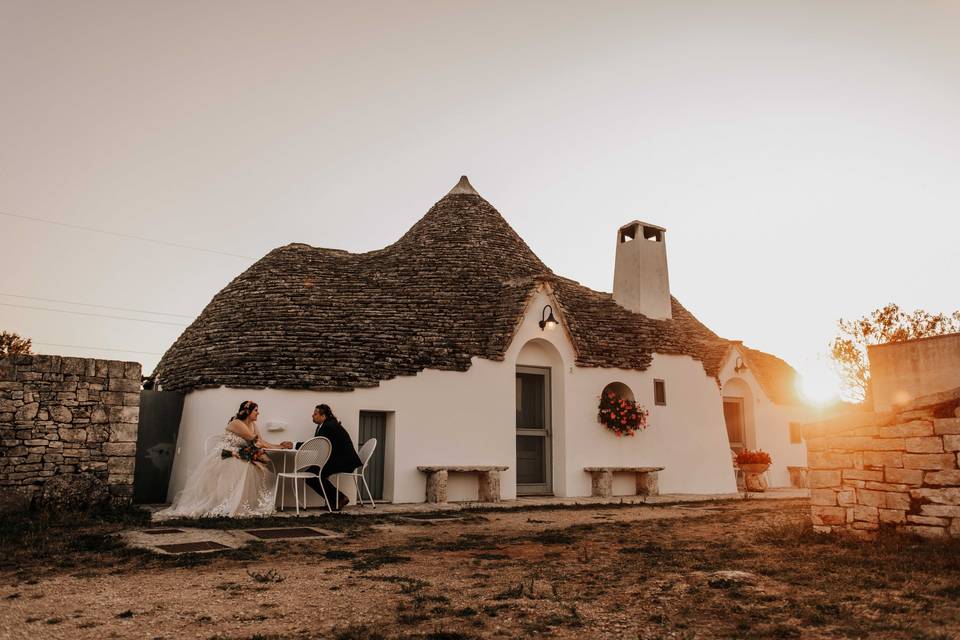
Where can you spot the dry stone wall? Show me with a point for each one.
(63, 416)
(898, 469)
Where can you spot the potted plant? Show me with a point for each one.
(621, 415)
(754, 464)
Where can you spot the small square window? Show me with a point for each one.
(659, 392)
(795, 435)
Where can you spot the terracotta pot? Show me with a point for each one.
(755, 467)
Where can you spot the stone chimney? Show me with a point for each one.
(640, 281)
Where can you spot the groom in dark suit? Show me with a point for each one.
(343, 457)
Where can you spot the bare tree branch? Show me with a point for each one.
(888, 324)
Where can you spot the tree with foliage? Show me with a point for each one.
(889, 324)
(13, 345)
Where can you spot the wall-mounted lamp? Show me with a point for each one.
(739, 365)
(547, 321)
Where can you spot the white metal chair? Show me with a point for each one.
(365, 453)
(313, 453)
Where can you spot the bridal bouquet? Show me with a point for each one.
(250, 453)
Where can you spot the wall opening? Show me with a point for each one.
(534, 427)
(542, 440)
(630, 232)
(736, 424)
(796, 436)
(660, 393)
(619, 388)
(379, 471)
(738, 414)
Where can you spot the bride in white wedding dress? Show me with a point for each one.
(233, 479)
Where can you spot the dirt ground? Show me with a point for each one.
(744, 569)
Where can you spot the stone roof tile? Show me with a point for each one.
(452, 288)
(779, 380)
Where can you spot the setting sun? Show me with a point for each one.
(820, 385)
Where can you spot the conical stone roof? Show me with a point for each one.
(453, 287)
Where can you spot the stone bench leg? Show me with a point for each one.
(601, 484)
(489, 488)
(647, 484)
(437, 486)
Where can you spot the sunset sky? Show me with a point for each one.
(803, 156)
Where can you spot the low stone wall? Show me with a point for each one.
(897, 469)
(61, 416)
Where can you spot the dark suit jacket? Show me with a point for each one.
(343, 457)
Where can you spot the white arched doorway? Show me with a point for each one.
(539, 410)
(738, 414)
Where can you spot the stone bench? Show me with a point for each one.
(601, 480)
(488, 477)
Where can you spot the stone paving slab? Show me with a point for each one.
(204, 546)
(141, 539)
(289, 533)
(230, 538)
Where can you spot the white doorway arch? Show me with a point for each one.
(738, 414)
(540, 419)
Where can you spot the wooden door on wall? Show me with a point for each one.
(373, 424)
(733, 416)
(534, 475)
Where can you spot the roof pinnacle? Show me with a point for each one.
(463, 187)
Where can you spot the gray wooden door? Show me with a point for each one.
(373, 424)
(534, 475)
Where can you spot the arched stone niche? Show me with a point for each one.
(619, 388)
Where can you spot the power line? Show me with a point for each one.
(80, 346)
(96, 315)
(100, 306)
(125, 235)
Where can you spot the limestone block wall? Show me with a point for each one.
(61, 415)
(896, 469)
(902, 371)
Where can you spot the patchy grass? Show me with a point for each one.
(271, 575)
(407, 585)
(378, 557)
(358, 632)
(743, 569)
(64, 541)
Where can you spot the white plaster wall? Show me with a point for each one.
(687, 436)
(771, 422)
(459, 418)
(439, 417)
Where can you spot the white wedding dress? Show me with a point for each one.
(224, 487)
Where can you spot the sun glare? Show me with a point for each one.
(820, 385)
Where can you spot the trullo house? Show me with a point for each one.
(436, 345)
